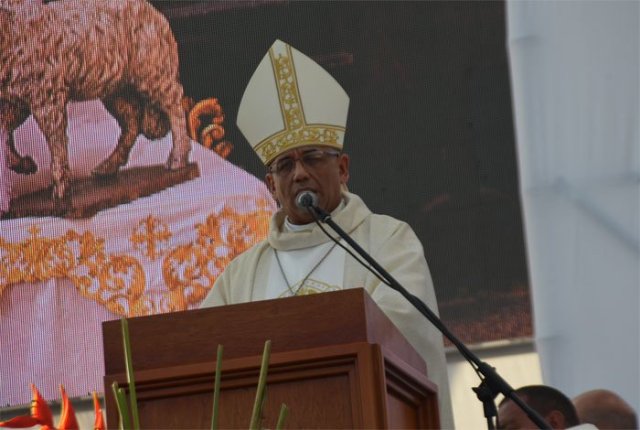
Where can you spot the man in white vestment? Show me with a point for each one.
(294, 114)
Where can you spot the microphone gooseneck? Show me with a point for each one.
(491, 382)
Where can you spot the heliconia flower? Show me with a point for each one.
(68, 419)
(40, 414)
(20, 422)
(99, 422)
(40, 409)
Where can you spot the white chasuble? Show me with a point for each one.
(255, 275)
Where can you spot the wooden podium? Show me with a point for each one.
(337, 361)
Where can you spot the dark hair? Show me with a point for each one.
(544, 399)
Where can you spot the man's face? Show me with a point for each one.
(310, 168)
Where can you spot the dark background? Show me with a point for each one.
(430, 129)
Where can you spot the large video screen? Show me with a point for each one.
(105, 231)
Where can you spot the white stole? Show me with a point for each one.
(298, 263)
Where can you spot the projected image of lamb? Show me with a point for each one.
(121, 52)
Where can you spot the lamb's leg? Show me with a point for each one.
(51, 117)
(179, 155)
(5, 183)
(127, 111)
(12, 117)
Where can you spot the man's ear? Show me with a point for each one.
(343, 166)
(271, 184)
(555, 419)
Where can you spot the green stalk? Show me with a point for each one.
(262, 383)
(284, 411)
(216, 389)
(121, 404)
(133, 399)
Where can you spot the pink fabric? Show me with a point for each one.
(49, 323)
(49, 333)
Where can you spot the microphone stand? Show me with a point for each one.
(492, 383)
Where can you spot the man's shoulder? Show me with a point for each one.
(380, 229)
(376, 220)
(387, 222)
(249, 253)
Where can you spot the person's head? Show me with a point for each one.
(294, 114)
(314, 168)
(606, 410)
(556, 409)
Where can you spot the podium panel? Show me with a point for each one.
(336, 361)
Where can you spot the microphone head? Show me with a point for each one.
(306, 199)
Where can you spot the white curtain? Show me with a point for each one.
(575, 83)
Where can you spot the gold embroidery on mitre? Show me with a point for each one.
(297, 131)
(288, 92)
(271, 147)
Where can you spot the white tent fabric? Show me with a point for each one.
(575, 82)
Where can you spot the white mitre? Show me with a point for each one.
(291, 101)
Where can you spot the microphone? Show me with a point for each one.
(307, 199)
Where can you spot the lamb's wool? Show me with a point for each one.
(119, 51)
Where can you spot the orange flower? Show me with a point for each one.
(20, 422)
(40, 409)
(40, 414)
(99, 422)
(67, 415)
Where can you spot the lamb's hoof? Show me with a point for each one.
(175, 163)
(26, 166)
(62, 201)
(62, 206)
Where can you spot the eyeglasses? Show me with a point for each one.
(311, 159)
